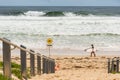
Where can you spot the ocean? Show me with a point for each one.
(71, 28)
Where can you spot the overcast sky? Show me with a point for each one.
(59, 2)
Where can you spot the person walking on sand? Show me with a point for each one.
(92, 50)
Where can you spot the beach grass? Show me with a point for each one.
(15, 70)
(4, 78)
(17, 73)
(1, 64)
(15, 65)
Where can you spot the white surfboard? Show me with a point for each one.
(89, 50)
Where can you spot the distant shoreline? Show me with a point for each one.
(67, 52)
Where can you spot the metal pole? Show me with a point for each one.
(49, 51)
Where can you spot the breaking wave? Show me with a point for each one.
(54, 13)
(57, 35)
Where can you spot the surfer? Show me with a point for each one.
(92, 50)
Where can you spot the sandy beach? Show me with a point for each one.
(69, 33)
(78, 68)
(74, 67)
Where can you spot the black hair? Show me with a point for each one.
(91, 44)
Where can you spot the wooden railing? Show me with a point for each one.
(44, 64)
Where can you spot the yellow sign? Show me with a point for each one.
(49, 41)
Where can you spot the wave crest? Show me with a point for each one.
(42, 13)
(53, 13)
(13, 13)
(34, 13)
(89, 34)
(100, 34)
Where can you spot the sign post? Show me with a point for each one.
(49, 44)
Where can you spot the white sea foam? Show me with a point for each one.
(69, 14)
(34, 13)
(67, 32)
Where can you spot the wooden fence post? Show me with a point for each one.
(43, 64)
(6, 59)
(53, 66)
(32, 63)
(112, 67)
(117, 63)
(50, 65)
(23, 63)
(38, 64)
(47, 65)
(109, 65)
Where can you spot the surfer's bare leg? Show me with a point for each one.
(91, 54)
(94, 54)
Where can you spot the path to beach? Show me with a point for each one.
(80, 68)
